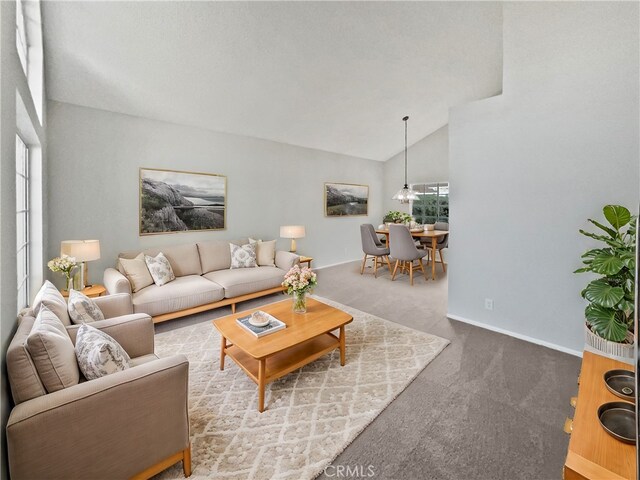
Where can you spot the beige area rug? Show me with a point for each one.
(311, 414)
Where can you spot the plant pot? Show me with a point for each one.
(608, 347)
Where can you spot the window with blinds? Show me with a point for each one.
(22, 221)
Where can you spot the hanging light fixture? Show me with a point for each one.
(405, 194)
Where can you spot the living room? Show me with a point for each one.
(528, 111)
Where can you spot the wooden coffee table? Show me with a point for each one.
(307, 337)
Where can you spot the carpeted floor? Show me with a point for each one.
(488, 407)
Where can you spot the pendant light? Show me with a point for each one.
(405, 194)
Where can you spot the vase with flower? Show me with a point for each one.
(298, 282)
(64, 265)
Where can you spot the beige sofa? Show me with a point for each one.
(132, 423)
(204, 280)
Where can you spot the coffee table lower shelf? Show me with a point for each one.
(266, 370)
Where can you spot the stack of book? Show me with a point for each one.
(267, 324)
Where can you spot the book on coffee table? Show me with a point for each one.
(273, 326)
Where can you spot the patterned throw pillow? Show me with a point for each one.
(160, 269)
(99, 354)
(82, 309)
(243, 256)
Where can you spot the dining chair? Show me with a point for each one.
(405, 252)
(372, 247)
(441, 243)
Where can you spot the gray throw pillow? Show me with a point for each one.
(82, 309)
(243, 256)
(160, 269)
(99, 354)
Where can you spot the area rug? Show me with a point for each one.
(311, 414)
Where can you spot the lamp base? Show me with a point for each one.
(293, 246)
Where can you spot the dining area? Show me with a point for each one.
(403, 248)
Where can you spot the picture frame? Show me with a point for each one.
(175, 201)
(346, 199)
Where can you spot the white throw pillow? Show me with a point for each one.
(243, 256)
(82, 309)
(99, 354)
(160, 269)
(136, 270)
(50, 297)
(266, 253)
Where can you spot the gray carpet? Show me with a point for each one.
(488, 407)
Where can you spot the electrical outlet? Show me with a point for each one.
(488, 303)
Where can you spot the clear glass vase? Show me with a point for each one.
(69, 283)
(299, 302)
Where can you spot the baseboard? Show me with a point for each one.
(336, 264)
(519, 336)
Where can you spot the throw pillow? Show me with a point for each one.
(82, 309)
(253, 240)
(99, 354)
(50, 297)
(52, 352)
(135, 269)
(160, 269)
(266, 253)
(243, 256)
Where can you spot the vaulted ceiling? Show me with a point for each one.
(335, 76)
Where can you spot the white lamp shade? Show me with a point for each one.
(292, 231)
(81, 250)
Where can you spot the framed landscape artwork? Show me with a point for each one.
(345, 199)
(173, 201)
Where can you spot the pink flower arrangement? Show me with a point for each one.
(299, 280)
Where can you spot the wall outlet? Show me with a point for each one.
(488, 303)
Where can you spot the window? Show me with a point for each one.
(433, 202)
(22, 221)
(21, 37)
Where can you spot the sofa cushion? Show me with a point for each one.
(160, 269)
(82, 309)
(184, 259)
(244, 256)
(247, 280)
(49, 296)
(184, 292)
(99, 354)
(136, 271)
(52, 352)
(23, 376)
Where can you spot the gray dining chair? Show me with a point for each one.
(441, 243)
(373, 249)
(404, 251)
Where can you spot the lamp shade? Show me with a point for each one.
(292, 231)
(81, 250)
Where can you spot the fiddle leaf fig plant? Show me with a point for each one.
(611, 296)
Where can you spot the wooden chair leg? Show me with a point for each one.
(444, 267)
(186, 461)
(393, 276)
(388, 262)
(364, 261)
(411, 272)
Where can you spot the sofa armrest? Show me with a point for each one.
(111, 427)
(115, 305)
(286, 260)
(115, 282)
(135, 332)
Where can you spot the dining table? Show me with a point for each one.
(434, 235)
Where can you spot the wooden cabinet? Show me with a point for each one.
(593, 453)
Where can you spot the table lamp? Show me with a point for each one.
(292, 232)
(83, 251)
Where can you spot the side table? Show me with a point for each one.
(306, 260)
(90, 291)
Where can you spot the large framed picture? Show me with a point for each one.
(173, 201)
(345, 199)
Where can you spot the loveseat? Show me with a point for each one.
(129, 424)
(204, 280)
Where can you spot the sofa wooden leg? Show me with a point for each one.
(186, 461)
(233, 308)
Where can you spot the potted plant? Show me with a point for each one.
(393, 216)
(609, 314)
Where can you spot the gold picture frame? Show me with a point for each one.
(197, 201)
(346, 199)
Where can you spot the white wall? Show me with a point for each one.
(427, 160)
(95, 156)
(17, 115)
(529, 167)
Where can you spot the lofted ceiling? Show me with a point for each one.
(334, 76)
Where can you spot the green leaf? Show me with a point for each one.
(617, 215)
(629, 259)
(626, 306)
(606, 263)
(595, 251)
(602, 238)
(603, 321)
(610, 231)
(603, 294)
(583, 270)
